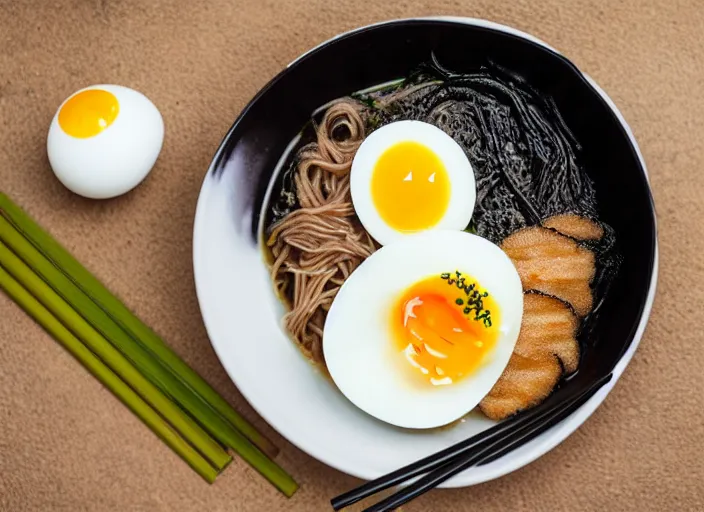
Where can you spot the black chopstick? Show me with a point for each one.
(497, 437)
(518, 440)
(434, 461)
(489, 450)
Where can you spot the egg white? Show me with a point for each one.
(115, 160)
(459, 171)
(360, 354)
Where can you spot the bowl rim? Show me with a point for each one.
(549, 439)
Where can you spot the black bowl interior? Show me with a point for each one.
(384, 52)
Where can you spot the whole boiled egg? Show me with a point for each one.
(421, 331)
(408, 177)
(104, 140)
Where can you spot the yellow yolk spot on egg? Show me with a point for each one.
(444, 326)
(88, 113)
(410, 187)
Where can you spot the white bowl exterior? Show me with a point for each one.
(303, 405)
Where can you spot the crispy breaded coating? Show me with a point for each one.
(549, 326)
(525, 383)
(546, 347)
(553, 264)
(575, 226)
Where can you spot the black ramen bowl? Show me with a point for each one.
(250, 152)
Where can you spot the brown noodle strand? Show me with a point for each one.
(318, 246)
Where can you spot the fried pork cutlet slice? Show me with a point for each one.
(575, 226)
(553, 264)
(546, 346)
(548, 327)
(525, 383)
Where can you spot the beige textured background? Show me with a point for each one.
(67, 444)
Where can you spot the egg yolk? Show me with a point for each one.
(444, 326)
(88, 113)
(410, 187)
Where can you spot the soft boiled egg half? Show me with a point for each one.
(408, 177)
(421, 331)
(104, 140)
